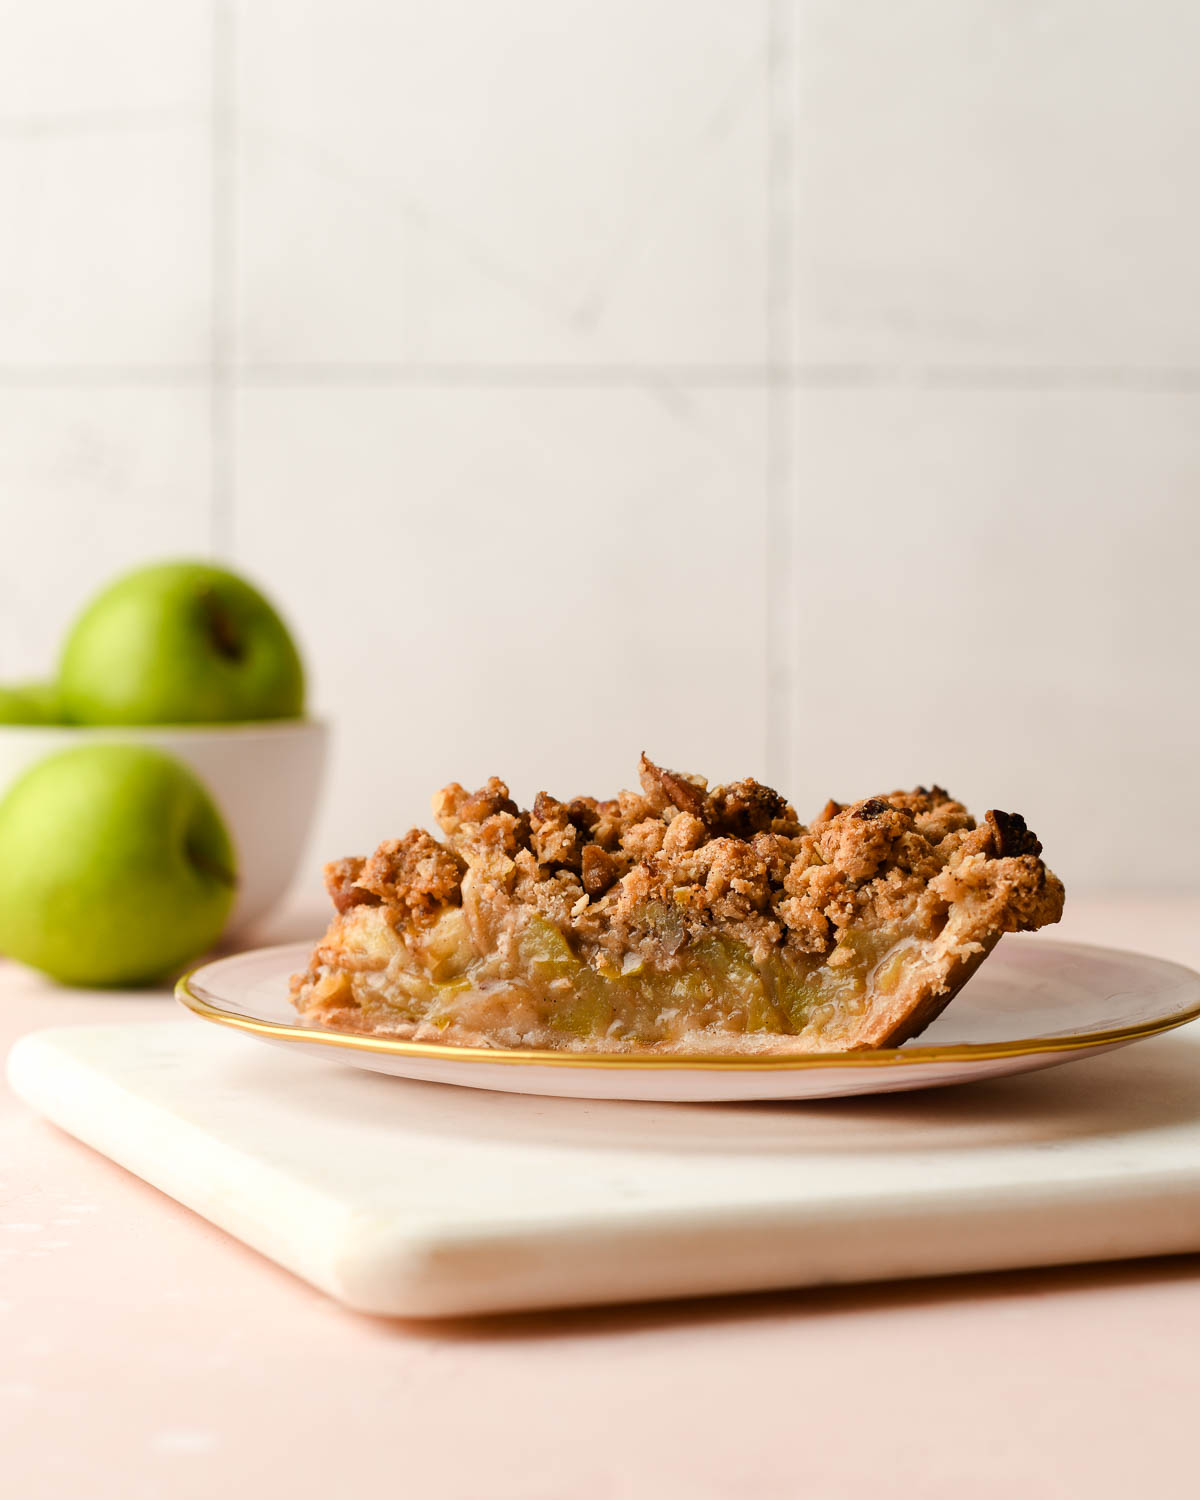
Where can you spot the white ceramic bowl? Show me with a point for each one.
(264, 777)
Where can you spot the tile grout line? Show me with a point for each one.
(1066, 380)
(779, 644)
(222, 271)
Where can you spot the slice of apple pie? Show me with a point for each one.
(678, 918)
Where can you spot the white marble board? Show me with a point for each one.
(421, 1200)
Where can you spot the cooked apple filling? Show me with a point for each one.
(676, 918)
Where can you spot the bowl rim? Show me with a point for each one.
(233, 728)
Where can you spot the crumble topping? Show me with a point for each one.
(650, 871)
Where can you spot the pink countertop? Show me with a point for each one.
(145, 1354)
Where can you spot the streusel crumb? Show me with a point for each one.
(652, 870)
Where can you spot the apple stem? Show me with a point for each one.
(222, 628)
(203, 862)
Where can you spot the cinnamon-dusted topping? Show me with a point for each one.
(1010, 834)
(415, 873)
(601, 870)
(670, 791)
(556, 839)
(341, 877)
(649, 870)
(745, 808)
(453, 805)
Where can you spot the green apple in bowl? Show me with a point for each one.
(180, 643)
(115, 866)
(30, 703)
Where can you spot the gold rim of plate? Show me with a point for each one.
(883, 1057)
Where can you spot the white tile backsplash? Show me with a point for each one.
(92, 482)
(557, 182)
(105, 244)
(1009, 183)
(510, 345)
(537, 584)
(997, 591)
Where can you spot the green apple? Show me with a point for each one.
(115, 867)
(180, 643)
(30, 703)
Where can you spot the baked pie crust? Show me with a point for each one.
(677, 918)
